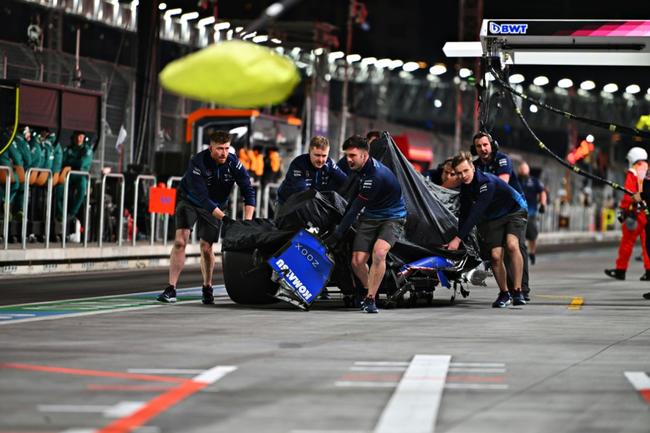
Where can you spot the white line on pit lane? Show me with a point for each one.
(163, 371)
(451, 369)
(414, 405)
(638, 379)
(119, 410)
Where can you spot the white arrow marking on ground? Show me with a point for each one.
(414, 405)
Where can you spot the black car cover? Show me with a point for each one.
(431, 221)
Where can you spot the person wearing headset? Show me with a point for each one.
(491, 160)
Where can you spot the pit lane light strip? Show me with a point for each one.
(414, 405)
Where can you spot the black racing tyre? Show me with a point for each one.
(244, 287)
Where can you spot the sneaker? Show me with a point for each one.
(646, 276)
(518, 298)
(168, 296)
(369, 306)
(531, 258)
(503, 300)
(526, 295)
(208, 297)
(646, 295)
(618, 274)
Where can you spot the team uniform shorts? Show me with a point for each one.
(531, 228)
(207, 225)
(493, 233)
(368, 231)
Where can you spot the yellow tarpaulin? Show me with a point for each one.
(233, 73)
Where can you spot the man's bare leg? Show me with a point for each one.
(207, 262)
(499, 269)
(516, 260)
(360, 266)
(177, 255)
(378, 268)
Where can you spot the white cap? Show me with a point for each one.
(636, 154)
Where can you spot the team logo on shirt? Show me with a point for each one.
(483, 188)
(503, 162)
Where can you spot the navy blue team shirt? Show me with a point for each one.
(532, 187)
(500, 163)
(380, 196)
(302, 175)
(486, 198)
(208, 185)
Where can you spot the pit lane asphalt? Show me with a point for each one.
(558, 364)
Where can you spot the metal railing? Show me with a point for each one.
(267, 197)
(100, 237)
(5, 221)
(574, 217)
(48, 205)
(170, 183)
(66, 192)
(153, 180)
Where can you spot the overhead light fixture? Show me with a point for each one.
(588, 85)
(318, 51)
(540, 81)
(411, 66)
(464, 73)
(590, 138)
(203, 22)
(565, 83)
(367, 61)
(533, 108)
(437, 103)
(610, 88)
(383, 63)
(162, 6)
(351, 58)
(397, 63)
(222, 26)
(489, 77)
(275, 9)
(438, 69)
(260, 38)
(189, 16)
(335, 55)
(171, 12)
(516, 79)
(239, 29)
(633, 89)
(276, 41)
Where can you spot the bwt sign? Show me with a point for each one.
(508, 29)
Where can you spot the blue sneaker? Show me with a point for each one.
(503, 300)
(518, 298)
(369, 306)
(208, 297)
(168, 296)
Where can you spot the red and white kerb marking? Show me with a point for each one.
(641, 383)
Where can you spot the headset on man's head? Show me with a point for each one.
(493, 143)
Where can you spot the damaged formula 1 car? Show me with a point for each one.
(286, 259)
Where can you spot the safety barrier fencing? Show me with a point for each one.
(48, 206)
(64, 218)
(102, 205)
(7, 202)
(152, 179)
(558, 217)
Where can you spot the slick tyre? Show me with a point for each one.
(243, 286)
